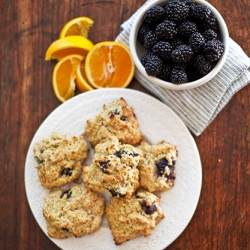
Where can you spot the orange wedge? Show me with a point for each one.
(79, 26)
(68, 46)
(64, 75)
(82, 82)
(109, 64)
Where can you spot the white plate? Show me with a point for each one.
(158, 123)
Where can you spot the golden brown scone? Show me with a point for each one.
(130, 218)
(114, 168)
(73, 213)
(157, 169)
(60, 158)
(116, 118)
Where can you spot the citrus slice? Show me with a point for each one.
(79, 26)
(64, 75)
(67, 46)
(82, 82)
(109, 64)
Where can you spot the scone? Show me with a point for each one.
(116, 118)
(157, 169)
(73, 213)
(60, 158)
(114, 168)
(130, 218)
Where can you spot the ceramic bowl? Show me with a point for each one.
(137, 49)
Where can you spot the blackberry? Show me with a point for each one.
(143, 30)
(148, 209)
(202, 65)
(67, 192)
(213, 50)
(200, 12)
(161, 165)
(115, 112)
(118, 154)
(153, 66)
(146, 57)
(163, 50)
(211, 23)
(176, 41)
(196, 42)
(123, 118)
(187, 28)
(193, 74)
(178, 76)
(165, 72)
(166, 30)
(154, 15)
(104, 166)
(150, 40)
(176, 11)
(171, 176)
(182, 54)
(209, 35)
(180, 66)
(114, 193)
(189, 3)
(67, 171)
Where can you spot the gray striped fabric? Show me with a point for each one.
(198, 107)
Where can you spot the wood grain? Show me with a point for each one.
(222, 218)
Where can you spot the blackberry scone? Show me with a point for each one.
(157, 169)
(116, 118)
(60, 158)
(130, 218)
(114, 168)
(73, 213)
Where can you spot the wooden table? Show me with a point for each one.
(222, 218)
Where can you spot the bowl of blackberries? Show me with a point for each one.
(179, 44)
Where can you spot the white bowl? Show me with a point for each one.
(137, 49)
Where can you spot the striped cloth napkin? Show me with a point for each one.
(198, 107)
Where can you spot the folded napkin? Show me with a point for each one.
(199, 106)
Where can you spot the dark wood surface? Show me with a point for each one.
(222, 218)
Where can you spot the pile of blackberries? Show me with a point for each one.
(182, 41)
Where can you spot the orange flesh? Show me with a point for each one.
(80, 29)
(115, 67)
(65, 76)
(74, 29)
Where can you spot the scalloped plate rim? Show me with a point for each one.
(126, 94)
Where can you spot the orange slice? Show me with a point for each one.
(67, 46)
(79, 26)
(109, 64)
(64, 75)
(82, 82)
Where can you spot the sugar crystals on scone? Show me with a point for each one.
(130, 218)
(74, 212)
(114, 168)
(157, 168)
(116, 118)
(60, 158)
